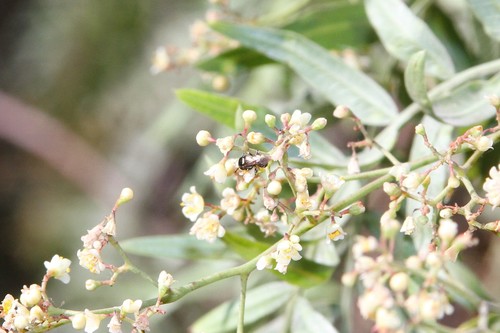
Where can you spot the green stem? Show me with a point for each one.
(243, 294)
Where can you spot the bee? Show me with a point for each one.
(251, 161)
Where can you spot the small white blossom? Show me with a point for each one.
(399, 282)
(286, 250)
(30, 296)
(408, 226)
(492, 186)
(217, 172)
(208, 228)
(331, 183)
(91, 260)
(301, 176)
(225, 144)
(230, 201)
(298, 121)
(193, 204)
(264, 262)
(364, 245)
(58, 268)
(335, 233)
(400, 170)
(92, 321)
(353, 165)
(115, 325)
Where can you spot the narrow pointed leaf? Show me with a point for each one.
(260, 302)
(415, 79)
(468, 105)
(488, 13)
(339, 83)
(404, 34)
(307, 320)
(175, 246)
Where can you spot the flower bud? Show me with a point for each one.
(357, 209)
(392, 189)
(446, 213)
(249, 116)
(318, 124)
(412, 180)
(78, 321)
(204, 138)
(447, 230)
(220, 83)
(274, 187)
(453, 182)
(130, 306)
(285, 118)
(413, 262)
(390, 228)
(399, 282)
(494, 100)
(91, 285)
(476, 131)
(484, 143)
(349, 279)
(125, 196)
(165, 280)
(270, 120)
(341, 112)
(256, 138)
(420, 129)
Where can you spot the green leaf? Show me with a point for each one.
(468, 105)
(404, 34)
(337, 82)
(308, 320)
(260, 302)
(175, 246)
(415, 79)
(463, 276)
(488, 13)
(304, 273)
(333, 25)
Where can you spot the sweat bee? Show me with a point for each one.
(251, 161)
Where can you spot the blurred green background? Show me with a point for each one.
(81, 117)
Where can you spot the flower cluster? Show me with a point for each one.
(31, 309)
(387, 298)
(255, 179)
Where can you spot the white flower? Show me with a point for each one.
(408, 225)
(336, 233)
(193, 204)
(217, 172)
(353, 165)
(264, 262)
(274, 187)
(208, 228)
(225, 144)
(303, 202)
(364, 245)
(230, 200)
(301, 176)
(331, 183)
(115, 325)
(58, 268)
(492, 186)
(91, 260)
(298, 121)
(92, 321)
(30, 296)
(286, 250)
